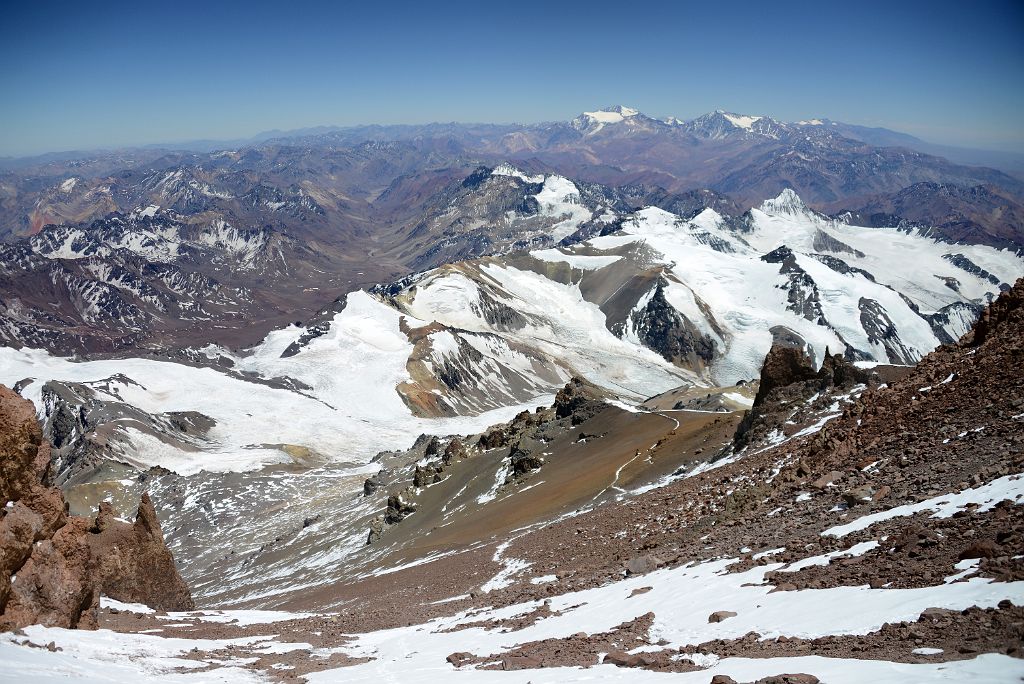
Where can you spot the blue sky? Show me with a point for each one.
(85, 75)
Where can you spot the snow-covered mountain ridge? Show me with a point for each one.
(657, 302)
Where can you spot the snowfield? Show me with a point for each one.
(518, 333)
(351, 412)
(681, 599)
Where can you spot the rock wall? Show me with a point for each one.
(53, 567)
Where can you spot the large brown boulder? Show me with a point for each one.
(54, 587)
(53, 567)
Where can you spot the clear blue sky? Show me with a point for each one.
(81, 75)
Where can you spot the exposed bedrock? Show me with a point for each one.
(54, 567)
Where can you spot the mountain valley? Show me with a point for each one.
(598, 399)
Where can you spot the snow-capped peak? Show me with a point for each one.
(592, 122)
(721, 124)
(744, 121)
(612, 114)
(788, 202)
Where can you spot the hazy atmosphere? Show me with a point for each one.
(86, 75)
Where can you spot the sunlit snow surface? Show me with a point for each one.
(681, 598)
(337, 396)
(351, 412)
(744, 296)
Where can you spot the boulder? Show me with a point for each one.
(826, 479)
(519, 662)
(859, 495)
(371, 484)
(398, 509)
(524, 459)
(621, 658)
(640, 565)
(985, 548)
(376, 529)
(494, 438)
(720, 615)
(455, 451)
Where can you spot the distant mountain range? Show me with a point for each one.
(520, 282)
(110, 251)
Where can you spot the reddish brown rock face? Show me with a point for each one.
(53, 568)
(132, 564)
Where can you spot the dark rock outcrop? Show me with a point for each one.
(455, 451)
(371, 484)
(784, 365)
(524, 458)
(579, 400)
(1008, 307)
(53, 567)
(398, 509)
(788, 376)
(661, 328)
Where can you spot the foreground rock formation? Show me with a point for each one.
(54, 567)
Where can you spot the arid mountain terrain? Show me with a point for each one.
(647, 540)
(731, 398)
